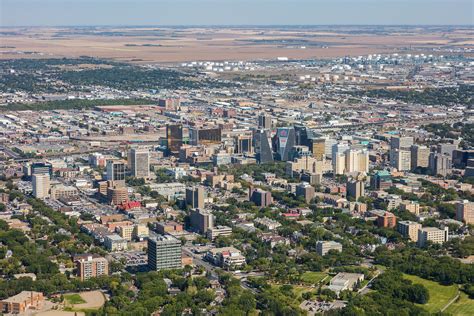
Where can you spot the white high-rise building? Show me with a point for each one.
(400, 159)
(357, 160)
(139, 162)
(41, 184)
(339, 163)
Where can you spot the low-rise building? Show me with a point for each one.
(226, 257)
(217, 231)
(323, 247)
(115, 243)
(345, 281)
(20, 303)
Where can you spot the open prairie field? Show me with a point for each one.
(170, 45)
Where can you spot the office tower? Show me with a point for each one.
(262, 147)
(117, 195)
(356, 161)
(465, 212)
(420, 156)
(243, 144)
(461, 157)
(339, 163)
(381, 180)
(400, 159)
(409, 229)
(260, 198)
(170, 104)
(433, 235)
(440, 164)
(41, 184)
(323, 247)
(284, 142)
(264, 121)
(174, 138)
(115, 170)
(329, 143)
(318, 148)
(400, 152)
(37, 168)
(301, 135)
(306, 191)
(139, 162)
(195, 197)
(446, 149)
(201, 220)
(205, 136)
(337, 149)
(355, 188)
(401, 143)
(164, 252)
(91, 266)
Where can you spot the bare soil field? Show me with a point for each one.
(172, 45)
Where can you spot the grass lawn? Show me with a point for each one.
(313, 277)
(440, 295)
(464, 306)
(74, 299)
(297, 289)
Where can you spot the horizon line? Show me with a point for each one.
(242, 25)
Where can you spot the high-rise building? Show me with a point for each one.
(381, 180)
(284, 141)
(432, 234)
(465, 212)
(41, 185)
(318, 148)
(400, 159)
(264, 121)
(164, 252)
(338, 149)
(139, 162)
(401, 142)
(201, 220)
(339, 163)
(420, 156)
(115, 170)
(205, 136)
(356, 160)
(117, 195)
(91, 266)
(260, 197)
(400, 152)
(355, 188)
(440, 164)
(262, 147)
(306, 191)
(195, 197)
(174, 138)
(409, 229)
(447, 149)
(170, 104)
(461, 157)
(30, 169)
(243, 144)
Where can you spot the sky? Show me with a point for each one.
(235, 12)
